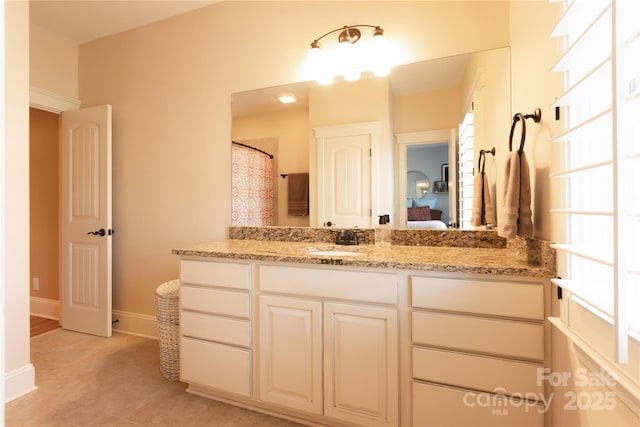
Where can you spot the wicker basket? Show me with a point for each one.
(168, 315)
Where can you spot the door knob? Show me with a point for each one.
(100, 232)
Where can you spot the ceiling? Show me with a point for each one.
(85, 20)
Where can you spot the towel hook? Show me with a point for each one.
(518, 117)
(483, 159)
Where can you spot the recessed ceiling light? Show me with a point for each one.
(287, 99)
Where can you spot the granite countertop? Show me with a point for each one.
(478, 260)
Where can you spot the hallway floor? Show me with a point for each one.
(85, 380)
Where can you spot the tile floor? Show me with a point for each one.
(85, 380)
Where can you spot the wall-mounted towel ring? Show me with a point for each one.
(481, 157)
(519, 117)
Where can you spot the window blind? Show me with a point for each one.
(465, 170)
(601, 174)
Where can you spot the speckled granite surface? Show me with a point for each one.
(537, 252)
(294, 234)
(452, 238)
(410, 237)
(285, 244)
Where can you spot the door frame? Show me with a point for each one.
(403, 140)
(45, 100)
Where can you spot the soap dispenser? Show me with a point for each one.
(383, 231)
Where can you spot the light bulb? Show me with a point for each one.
(317, 66)
(379, 55)
(348, 61)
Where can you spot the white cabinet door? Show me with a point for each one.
(361, 364)
(290, 353)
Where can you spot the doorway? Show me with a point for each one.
(44, 196)
(444, 137)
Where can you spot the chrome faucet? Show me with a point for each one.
(347, 237)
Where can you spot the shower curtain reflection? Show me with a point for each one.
(251, 187)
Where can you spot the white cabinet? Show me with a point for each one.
(339, 360)
(361, 364)
(477, 346)
(331, 345)
(215, 330)
(291, 352)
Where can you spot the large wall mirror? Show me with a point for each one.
(425, 98)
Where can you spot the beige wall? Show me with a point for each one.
(170, 85)
(291, 128)
(53, 62)
(432, 110)
(43, 197)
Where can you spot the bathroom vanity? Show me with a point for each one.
(367, 335)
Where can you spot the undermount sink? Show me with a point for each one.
(331, 252)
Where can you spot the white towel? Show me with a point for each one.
(482, 212)
(515, 218)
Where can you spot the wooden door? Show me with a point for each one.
(347, 178)
(86, 222)
(290, 353)
(361, 364)
(348, 183)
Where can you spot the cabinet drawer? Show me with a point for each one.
(216, 366)
(509, 299)
(467, 333)
(444, 406)
(476, 372)
(215, 301)
(214, 328)
(340, 284)
(211, 273)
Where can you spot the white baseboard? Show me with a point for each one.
(135, 324)
(19, 382)
(128, 323)
(47, 308)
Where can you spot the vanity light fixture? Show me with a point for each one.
(287, 98)
(349, 59)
